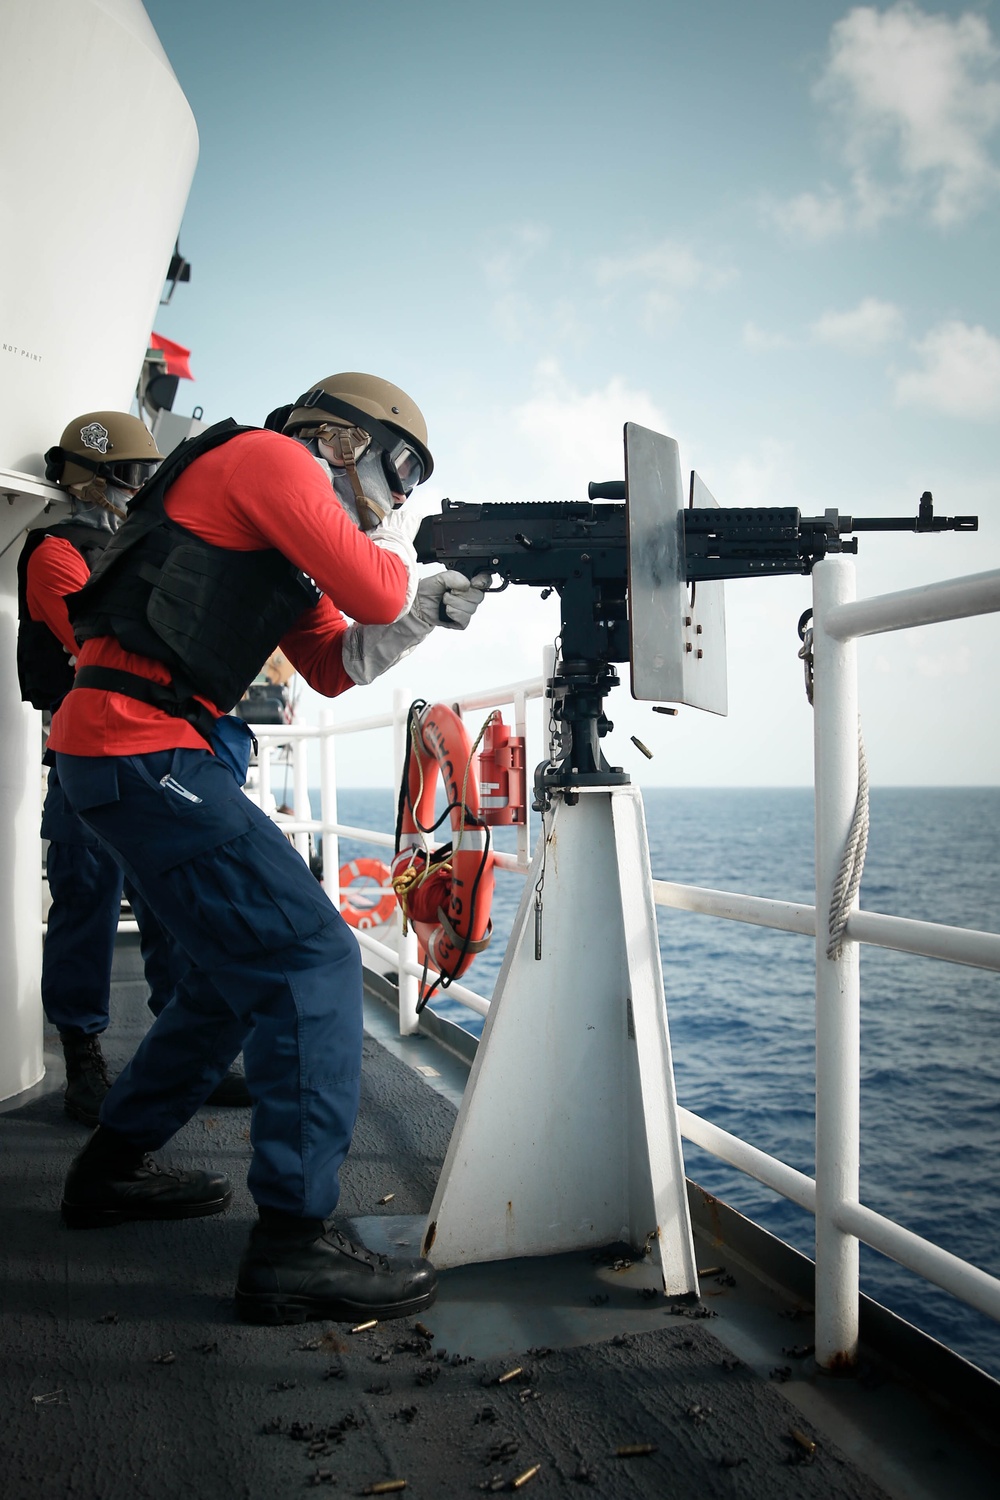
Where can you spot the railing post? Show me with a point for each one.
(328, 807)
(301, 807)
(264, 745)
(406, 947)
(838, 1010)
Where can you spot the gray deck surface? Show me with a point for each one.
(125, 1374)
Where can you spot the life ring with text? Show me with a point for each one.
(446, 896)
(357, 906)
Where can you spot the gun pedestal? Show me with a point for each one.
(567, 1135)
(577, 694)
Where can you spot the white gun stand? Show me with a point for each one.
(567, 1137)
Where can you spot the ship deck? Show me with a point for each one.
(125, 1374)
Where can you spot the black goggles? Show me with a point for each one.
(403, 468)
(130, 474)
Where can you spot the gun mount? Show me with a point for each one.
(578, 550)
(628, 575)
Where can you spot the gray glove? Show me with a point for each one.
(370, 650)
(449, 598)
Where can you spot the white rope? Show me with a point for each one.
(853, 862)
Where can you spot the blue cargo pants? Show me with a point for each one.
(85, 884)
(267, 966)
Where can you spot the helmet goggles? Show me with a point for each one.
(401, 463)
(126, 473)
(404, 468)
(129, 473)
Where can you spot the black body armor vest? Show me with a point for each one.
(44, 673)
(211, 615)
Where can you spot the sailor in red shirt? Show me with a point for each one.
(101, 460)
(246, 539)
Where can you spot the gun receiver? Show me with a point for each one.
(581, 551)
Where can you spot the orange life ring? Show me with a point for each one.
(358, 912)
(447, 897)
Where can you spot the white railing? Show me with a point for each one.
(842, 1221)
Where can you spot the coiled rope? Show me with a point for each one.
(852, 863)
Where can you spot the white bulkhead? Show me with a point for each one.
(98, 150)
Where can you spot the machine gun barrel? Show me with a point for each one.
(925, 520)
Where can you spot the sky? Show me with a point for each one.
(768, 230)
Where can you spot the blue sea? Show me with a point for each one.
(741, 1012)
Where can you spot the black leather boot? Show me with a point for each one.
(293, 1269)
(111, 1181)
(87, 1079)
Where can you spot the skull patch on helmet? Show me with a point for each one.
(95, 436)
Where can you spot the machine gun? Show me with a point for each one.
(612, 564)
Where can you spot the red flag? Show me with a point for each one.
(176, 355)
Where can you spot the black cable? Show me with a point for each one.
(418, 705)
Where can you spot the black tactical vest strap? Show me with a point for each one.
(163, 695)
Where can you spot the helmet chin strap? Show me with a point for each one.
(97, 491)
(342, 453)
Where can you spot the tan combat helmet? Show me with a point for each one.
(352, 398)
(109, 444)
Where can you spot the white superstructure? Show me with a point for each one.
(99, 149)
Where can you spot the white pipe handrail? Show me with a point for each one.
(760, 911)
(530, 687)
(773, 1173)
(967, 1282)
(363, 835)
(932, 603)
(457, 991)
(959, 945)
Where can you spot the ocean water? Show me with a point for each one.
(741, 1013)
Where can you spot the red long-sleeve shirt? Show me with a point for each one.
(256, 491)
(55, 569)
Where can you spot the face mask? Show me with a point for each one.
(103, 514)
(360, 482)
(119, 498)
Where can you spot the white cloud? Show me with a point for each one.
(567, 436)
(861, 330)
(954, 663)
(517, 247)
(513, 316)
(810, 216)
(662, 273)
(916, 101)
(513, 313)
(959, 374)
(762, 342)
(761, 476)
